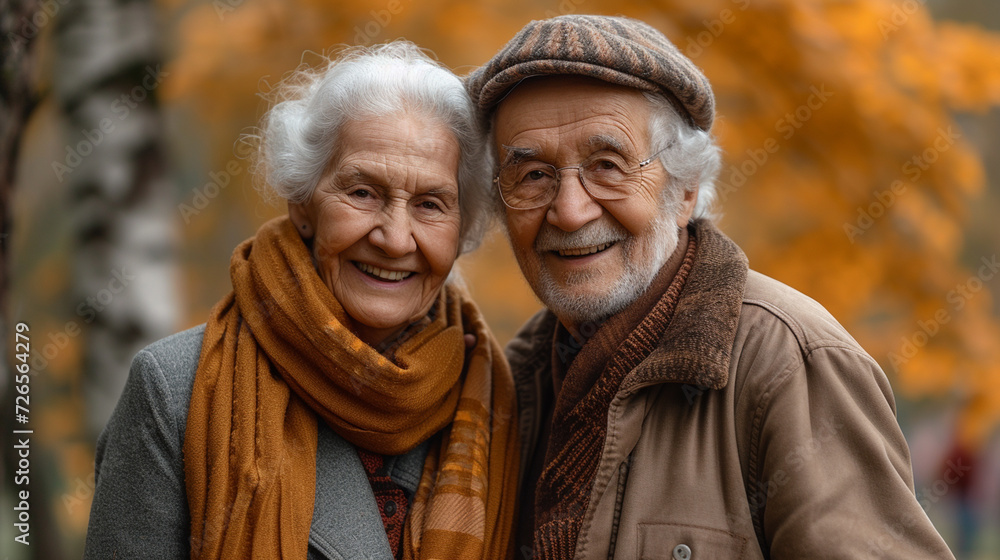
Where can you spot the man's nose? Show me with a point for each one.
(573, 206)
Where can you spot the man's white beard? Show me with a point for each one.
(639, 272)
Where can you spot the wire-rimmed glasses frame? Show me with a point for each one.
(521, 188)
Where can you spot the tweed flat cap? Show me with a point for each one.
(618, 50)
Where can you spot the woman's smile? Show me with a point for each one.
(384, 274)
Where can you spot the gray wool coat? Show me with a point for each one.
(140, 507)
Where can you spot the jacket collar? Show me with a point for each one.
(696, 346)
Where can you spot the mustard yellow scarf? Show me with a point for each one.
(276, 357)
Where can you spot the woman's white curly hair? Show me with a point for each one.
(298, 136)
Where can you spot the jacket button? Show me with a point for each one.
(682, 552)
(389, 508)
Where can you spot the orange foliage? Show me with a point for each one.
(858, 202)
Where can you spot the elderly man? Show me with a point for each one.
(674, 403)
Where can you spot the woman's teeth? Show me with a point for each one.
(383, 274)
(584, 250)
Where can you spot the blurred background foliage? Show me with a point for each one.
(861, 167)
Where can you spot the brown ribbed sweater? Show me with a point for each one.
(579, 420)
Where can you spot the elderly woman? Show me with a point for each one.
(334, 405)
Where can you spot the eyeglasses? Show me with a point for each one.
(526, 185)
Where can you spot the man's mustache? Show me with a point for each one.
(551, 238)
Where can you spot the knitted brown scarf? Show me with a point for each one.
(580, 417)
(277, 356)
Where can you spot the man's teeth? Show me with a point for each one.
(381, 273)
(584, 250)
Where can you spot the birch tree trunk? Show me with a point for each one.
(107, 71)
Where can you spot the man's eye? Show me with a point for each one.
(535, 174)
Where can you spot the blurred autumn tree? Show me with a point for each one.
(845, 175)
(108, 67)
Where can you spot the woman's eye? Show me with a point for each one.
(428, 205)
(361, 193)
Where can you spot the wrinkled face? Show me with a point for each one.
(587, 259)
(384, 220)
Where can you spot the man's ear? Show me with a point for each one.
(687, 205)
(302, 219)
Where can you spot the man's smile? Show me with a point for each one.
(584, 251)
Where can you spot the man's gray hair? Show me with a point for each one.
(298, 137)
(693, 158)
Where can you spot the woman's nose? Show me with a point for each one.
(393, 233)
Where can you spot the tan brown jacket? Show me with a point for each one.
(757, 429)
